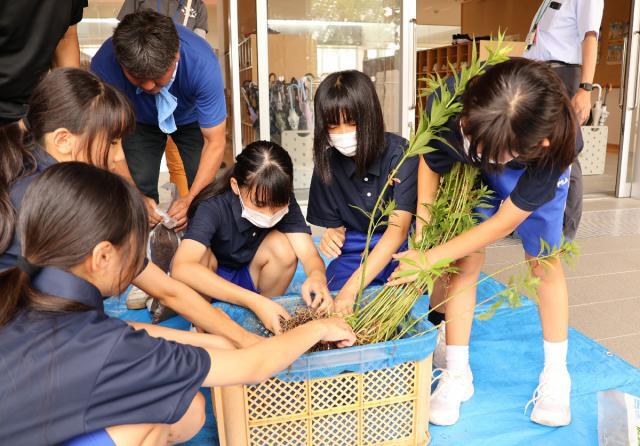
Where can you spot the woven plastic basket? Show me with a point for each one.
(370, 395)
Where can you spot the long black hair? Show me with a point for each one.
(66, 98)
(351, 97)
(67, 211)
(512, 108)
(264, 169)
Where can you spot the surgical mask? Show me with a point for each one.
(345, 143)
(466, 142)
(262, 220)
(466, 145)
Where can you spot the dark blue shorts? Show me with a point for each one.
(341, 268)
(97, 438)
(545, 223)
(239, 276)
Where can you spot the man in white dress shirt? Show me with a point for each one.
(564, 33)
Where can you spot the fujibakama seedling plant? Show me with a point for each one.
(451, 213)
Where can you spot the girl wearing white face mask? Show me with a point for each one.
(353, 160)
(245, 235)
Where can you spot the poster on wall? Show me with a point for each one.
(615, 42)
(614, 54)
(618, 30)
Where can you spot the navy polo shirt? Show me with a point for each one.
(67, 374)
(234, 240)
(198, 85)
(17, 191)
(332, 205)
(536, 186)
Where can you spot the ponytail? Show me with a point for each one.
(16, 161)
(17, 294)
(15, 291)
(72, 195)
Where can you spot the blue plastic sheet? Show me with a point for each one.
(506, 358)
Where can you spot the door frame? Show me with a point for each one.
(629, 99)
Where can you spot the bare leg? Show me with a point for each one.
(139, 434)
(460, 308)
(162, 434)
(554, 299)
(274, 264)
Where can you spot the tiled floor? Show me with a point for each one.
(604, 285)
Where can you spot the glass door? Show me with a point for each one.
(300, 43)
(628, 183)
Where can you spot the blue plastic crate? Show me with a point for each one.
(360, 359)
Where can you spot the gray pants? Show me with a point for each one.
(570, 75)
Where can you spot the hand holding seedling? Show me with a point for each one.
(345, 301)
(410, 263)
(337, 331)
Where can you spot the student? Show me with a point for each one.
(68, 369)
(245, 235)
(353, 160)
(73, 116)
(518, 126)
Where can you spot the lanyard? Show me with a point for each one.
(536, 20)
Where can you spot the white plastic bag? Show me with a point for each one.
(618, 419)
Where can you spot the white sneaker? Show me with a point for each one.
(439, 354)
(452, 391)
(552, 399)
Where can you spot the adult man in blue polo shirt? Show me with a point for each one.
(173, 79)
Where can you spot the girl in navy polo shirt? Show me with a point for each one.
(75, 116)
(69, 369)
(517, 125)
(245, 235)
(353, 160)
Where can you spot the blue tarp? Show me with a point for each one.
(506, 358)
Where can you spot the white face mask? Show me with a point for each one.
(345, 143)
(262, 220)
(466, 142)
(466, 145)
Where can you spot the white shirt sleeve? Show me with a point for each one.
(589, 16)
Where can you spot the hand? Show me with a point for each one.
(316, 294)
(270, 313)
(248, 340)
(336, 330)
(410, 264)
(582, 105)
(178, 210)
(332, 241)
(154, 218)
(344, 302)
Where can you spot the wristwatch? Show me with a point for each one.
(585, 86)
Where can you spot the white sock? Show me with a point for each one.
(555, 356)
(457, 358)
